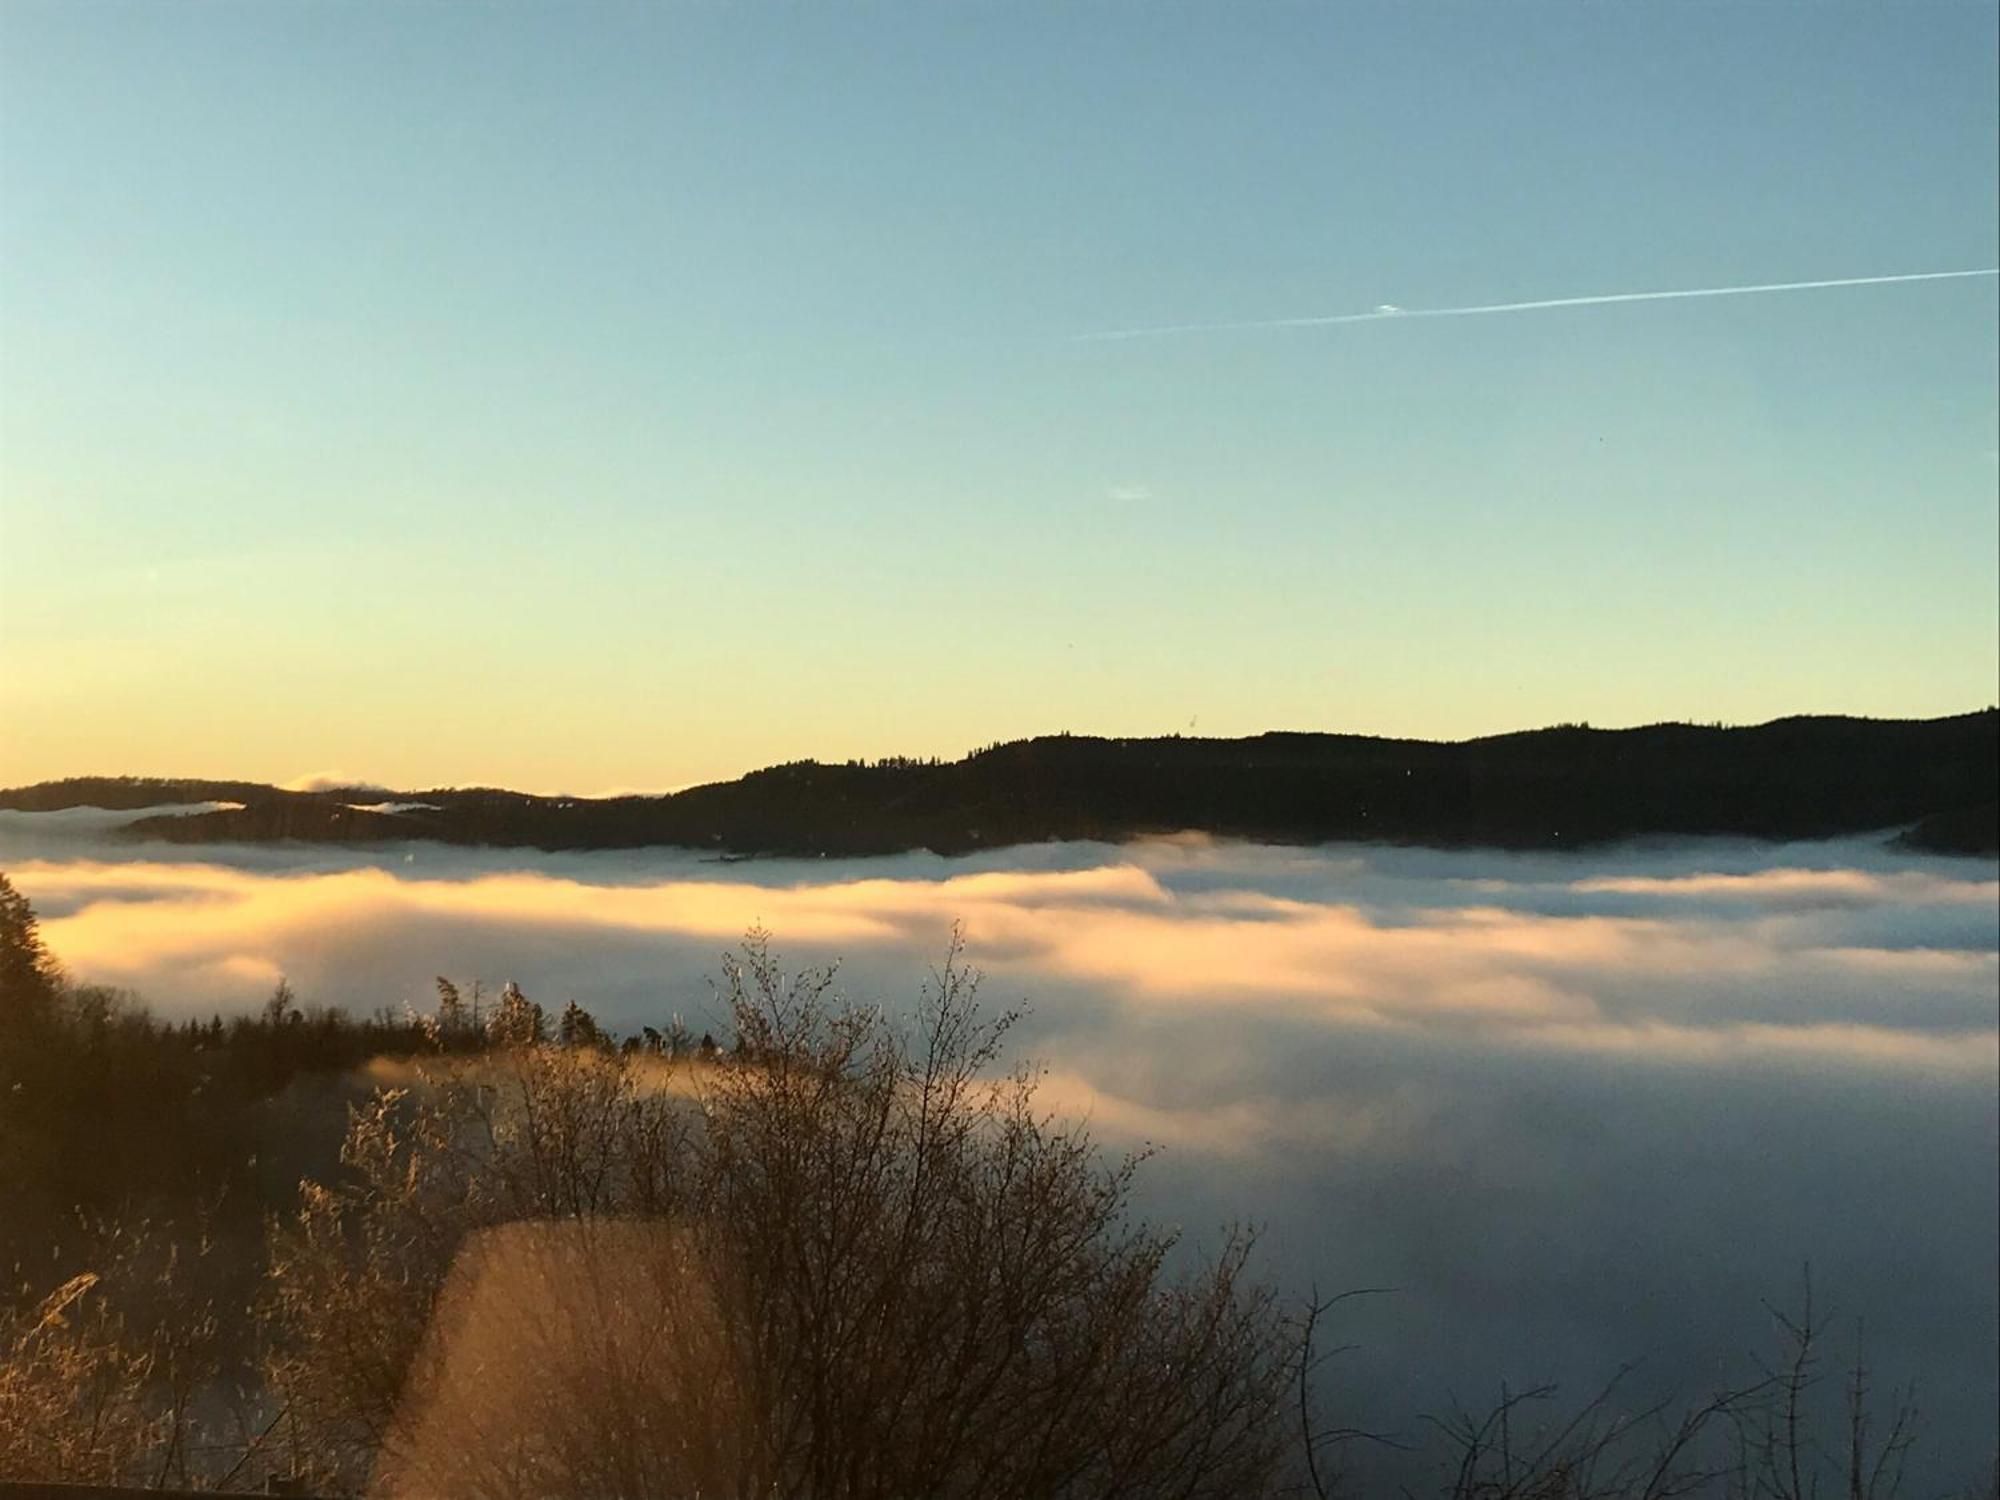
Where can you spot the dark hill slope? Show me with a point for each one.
(124, 793)
(1551, 788)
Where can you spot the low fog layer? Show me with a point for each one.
(1576, 1109)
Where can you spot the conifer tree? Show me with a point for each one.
(29, 978)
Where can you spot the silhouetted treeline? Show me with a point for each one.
(122, 793)
(107, 1110)
(1546, 789)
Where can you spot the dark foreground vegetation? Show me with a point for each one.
(483, 1252)
(1551, 788)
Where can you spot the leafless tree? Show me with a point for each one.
(872, 1258)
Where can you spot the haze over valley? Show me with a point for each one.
(1578, 1108)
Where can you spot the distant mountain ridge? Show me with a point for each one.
(1565, 787)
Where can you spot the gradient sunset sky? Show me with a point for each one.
(583, 396)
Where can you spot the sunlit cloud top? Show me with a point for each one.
(1575, 1108)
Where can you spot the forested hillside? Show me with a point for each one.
(1544, 789)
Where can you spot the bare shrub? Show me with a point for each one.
(118, 1373)
(1771, 1438)
(71, 1405)
(577, 1357)
(898, 1278)
(530, 1133)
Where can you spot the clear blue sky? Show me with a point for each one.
(589, 395)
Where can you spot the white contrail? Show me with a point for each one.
(1386, 313)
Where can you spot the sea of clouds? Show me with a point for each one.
(1575, 1109)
